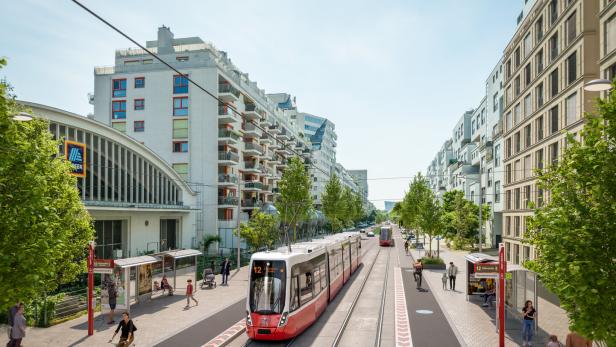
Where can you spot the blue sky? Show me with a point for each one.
(394, 76)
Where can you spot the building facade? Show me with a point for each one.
(361, 178)
(553, 53)
(139, 204)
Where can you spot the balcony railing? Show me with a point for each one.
(250, 127)
(276, 190)
(224, 133)
(227, 178)
(252, 108)
(222, 155)
(226, 111)
(253, 185)
(252, 203)
(227, 200)
(227, 88)
(253, 146)
(250, 165)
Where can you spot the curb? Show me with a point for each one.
(228, 335)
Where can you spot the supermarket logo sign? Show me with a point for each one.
(75, 152)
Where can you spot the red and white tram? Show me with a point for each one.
(288, 291)
(386, 236)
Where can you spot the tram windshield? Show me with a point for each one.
(267, 286)
(385, 233)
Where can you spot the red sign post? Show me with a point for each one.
(502, 270)
(90, 288)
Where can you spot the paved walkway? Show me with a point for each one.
(156, 321)
(474, 324)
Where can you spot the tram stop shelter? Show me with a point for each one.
(178, 265)
(481, 273)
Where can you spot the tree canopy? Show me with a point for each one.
(574, 233)
(295, 202)
(460, 219)
(260, 231)
(44, 227)
(342, 206)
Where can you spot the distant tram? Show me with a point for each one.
(288, 291)
(386, 237)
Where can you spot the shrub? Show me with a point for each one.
(430, 261)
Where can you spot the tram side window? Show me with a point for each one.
(305, 285)
(294, 302)
(323, 277)
(316, 280)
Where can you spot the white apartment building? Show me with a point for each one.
(210, 146)
(346, 179)
(361, 177)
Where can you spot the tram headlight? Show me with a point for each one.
(283, 319)
(248, 319)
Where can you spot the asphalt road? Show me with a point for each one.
(429, 327)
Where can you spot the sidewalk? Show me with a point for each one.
(476, 324)
(156, 320)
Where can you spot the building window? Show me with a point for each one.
(508, 69)
(180, 146)
(180, 106)
(508, 250)
(508, 147)
(180, 84)
(539, 29)
(554, 46)
(518, 201)
(516, 170)
(181, 169)
(139, 82)
(516, 86)
(183, 58)
(539, 159)
(516, 57)
(180, 128)
(527, 75)
(528, 168)
(495, 102)
(119, 88)
(497, 191)
(528, 106)
(571, 111)
(539, 128)
(539, 95)
(553, 11)
(554, 83)
(527, 136)
(610, 34)
(508, 121)
(516, 142)
(572, 68)
(554, 126)
(570, 28)
(139, 126)
(497, 157)
(119, 126)
(528, 44)
(539, 62)
(118, 109)
(517, 114)
(554, 153)
(489, 173)
(139, 104)
(108, 238)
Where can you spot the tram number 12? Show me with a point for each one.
(257, 269)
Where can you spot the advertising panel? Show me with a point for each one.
(114, 284)
(75, 152)
(145, 279)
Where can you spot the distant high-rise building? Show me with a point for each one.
(389, 205)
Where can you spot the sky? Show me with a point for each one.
(394, 76)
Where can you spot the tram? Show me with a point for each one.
(386, 236)
(288, 291)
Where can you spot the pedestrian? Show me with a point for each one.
(553, 342)
(444, 279)
(212, 266)
(528, 326)
(11, 317)
(452, 272)
(18, 330)
(128, 331)
(418, 269)
(575, 340)
(189, 294)
(406, 247)
(225, 270)
(113, 294)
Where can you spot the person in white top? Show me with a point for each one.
(452, 271)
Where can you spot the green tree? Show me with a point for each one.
(460, 219)
(44, 229)
(430, 218)
(209, 240)
(295, 202)
(331, 200)
(380, 217)
(358, 208)
(346, 206)
(574, 233)
(260, 231)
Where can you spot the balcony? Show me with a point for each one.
(282, 164)
(228, 136)
(252, 112)
(252, 149)
(266, 121)
(228, 158)
(228, 93)
(253, 186)
(266, 189)
(227, 180)
(274, 129)
(227, 201)
(275, 190)
(251, 131)
(226, 115)
(252, 167)
(265, 139)
(251, 204)
(284, 134)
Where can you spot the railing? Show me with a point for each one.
(227, 178)
(276, 190)
(253, 146)
(222, 133)
(227, 88)
(265, 187)
(253, 185)
(227, 200)
(104, 70)
(252, 165)
(252, 108)
(228, 156)
(226, 111)
(251, 203)
(250, 127)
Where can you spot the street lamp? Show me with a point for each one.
(598, 85)
(22, 117)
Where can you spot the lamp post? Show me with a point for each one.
(598, 85)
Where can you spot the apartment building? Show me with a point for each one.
(346, 179)
(607, 35)
(361, 177)
(554, 51)
(234, 162)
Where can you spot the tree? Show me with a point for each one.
(358, 208)
(295, 202)
(260, 232)
(346, 206)
(44, 229)
(209, 240)
(460, 219)
(430, 218)
(331, 201)
(574, 233)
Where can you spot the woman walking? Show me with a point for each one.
(529, 323)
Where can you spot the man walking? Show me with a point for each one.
(452, 271)
(18, 331)
(113, 294)
(225, 270)
(189, 294)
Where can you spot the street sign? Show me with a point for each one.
(103, 266)
(486, 270)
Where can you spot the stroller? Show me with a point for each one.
(209, 279)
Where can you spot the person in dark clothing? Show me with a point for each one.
(528, 327)
(225, 270)
(18, 328)
(213, 267)
(113, 294)
(418, 276)
(11, 317)
(128, 331)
